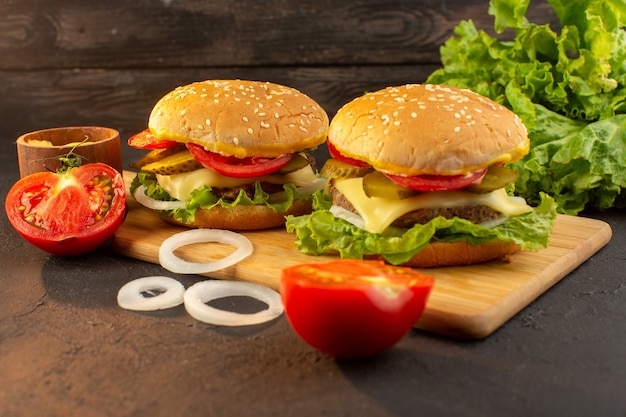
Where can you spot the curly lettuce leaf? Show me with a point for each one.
(561, 85)
(203, 198)
(322, 233)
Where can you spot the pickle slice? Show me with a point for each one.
(296, 163)
(173, 164)
(376, 184)
(496, 177)
(334, 169)
(156, 155)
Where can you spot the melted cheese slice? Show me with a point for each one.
(181, 185)
(378, 213)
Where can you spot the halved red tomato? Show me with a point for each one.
(334, 152)
(352, 308)
(231, 166)
(147, 140)
(438, 182)
(68, 213)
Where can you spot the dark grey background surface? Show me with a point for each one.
(67, 349)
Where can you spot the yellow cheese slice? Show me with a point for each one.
(378, 213)
(181, 185)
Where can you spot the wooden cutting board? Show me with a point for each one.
(469, 302)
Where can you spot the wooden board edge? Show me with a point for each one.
(482, 325)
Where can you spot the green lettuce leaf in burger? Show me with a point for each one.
(230, 154)
(418, 178)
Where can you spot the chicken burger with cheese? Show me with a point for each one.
(230, 154)
(418, 178)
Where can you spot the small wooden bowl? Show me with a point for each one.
(36, 150)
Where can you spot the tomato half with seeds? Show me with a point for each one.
(353, 308)
(428, 183)
(148, 140)
(68, 213)
(231, 166)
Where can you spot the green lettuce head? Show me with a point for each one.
(569, 88)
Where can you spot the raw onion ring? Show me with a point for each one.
(151, 203)
(173, 263)
(170, 294)
(196, 297)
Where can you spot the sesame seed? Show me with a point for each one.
(413, 115)
(208, 122)
(457, 129)
(265, 125)
(245, 119)
(236, 140)
(250, 131)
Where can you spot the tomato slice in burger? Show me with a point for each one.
(352, 308)
(231, 166)
(147, 140)
(68, 213)
(334, 152)
(429, 183)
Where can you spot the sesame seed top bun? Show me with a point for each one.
(431, 129)
(240, 118)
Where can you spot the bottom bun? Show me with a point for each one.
(243, 217)
(437, 254)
